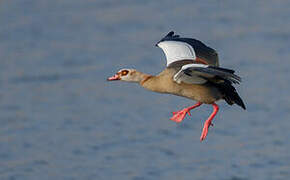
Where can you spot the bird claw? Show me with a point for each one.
(205, 130)
(180, 115)
(208, 123)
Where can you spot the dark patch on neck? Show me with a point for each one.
(145, 79)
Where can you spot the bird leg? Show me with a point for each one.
(180, 115)
(208, 122)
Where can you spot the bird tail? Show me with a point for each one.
(231, 96)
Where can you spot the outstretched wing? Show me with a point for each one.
(200, 74)
(176, 48)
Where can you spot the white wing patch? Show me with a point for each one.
(180, 76)
(193, 65)
(175, 51)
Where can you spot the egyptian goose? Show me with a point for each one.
(193, 72)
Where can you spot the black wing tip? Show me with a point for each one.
(223, 69)
(168, 36)
(171, 34)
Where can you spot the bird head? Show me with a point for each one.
(129, 75)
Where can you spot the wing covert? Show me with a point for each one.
(200, 74)
(175, 51)
(176, 48)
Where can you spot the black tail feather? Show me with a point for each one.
(230, 94)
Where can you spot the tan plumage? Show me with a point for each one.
(163, 83)
(192, 72)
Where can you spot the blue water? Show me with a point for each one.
(60, 119)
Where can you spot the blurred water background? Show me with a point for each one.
(61, 120)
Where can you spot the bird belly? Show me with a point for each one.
(202, 93)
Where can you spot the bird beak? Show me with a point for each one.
(114, 78)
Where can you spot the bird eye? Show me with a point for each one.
(124, 72)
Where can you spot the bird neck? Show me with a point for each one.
(161, 83)
(144, 78)
(137, 77)
(152, 83)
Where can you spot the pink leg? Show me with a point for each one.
(208, 122)
(180, 115)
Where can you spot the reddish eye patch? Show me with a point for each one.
(124, 72)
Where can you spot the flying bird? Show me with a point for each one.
(193, 72)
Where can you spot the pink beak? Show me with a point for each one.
(114, 78)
